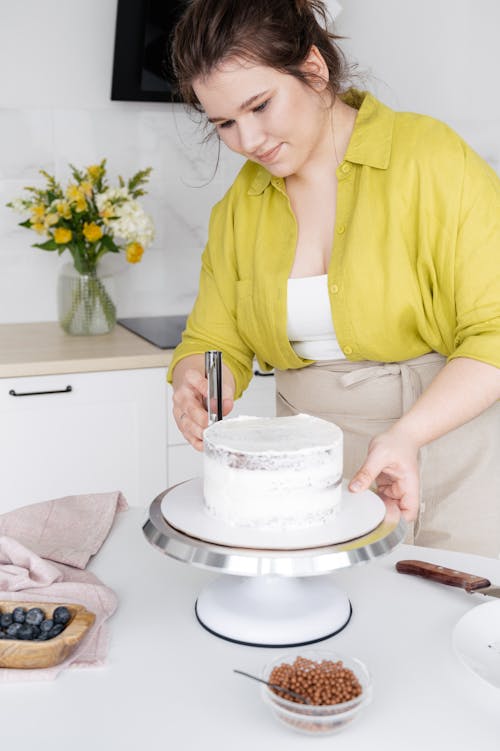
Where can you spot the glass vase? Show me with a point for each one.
(84, 301)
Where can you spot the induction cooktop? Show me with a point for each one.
(162, 331)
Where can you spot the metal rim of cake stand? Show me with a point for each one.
(259, 562)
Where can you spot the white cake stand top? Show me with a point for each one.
(245, 560)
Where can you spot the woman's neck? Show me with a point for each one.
(331, 150)
(343, 121)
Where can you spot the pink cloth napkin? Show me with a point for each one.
(44, 549)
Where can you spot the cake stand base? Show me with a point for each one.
(273, 611)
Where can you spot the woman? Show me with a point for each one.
(358, 254)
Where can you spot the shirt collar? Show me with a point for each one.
(371, 138)
(370, 142)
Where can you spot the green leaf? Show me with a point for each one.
(139, 179)
(108, 243)
(77, 174)
(49, 245)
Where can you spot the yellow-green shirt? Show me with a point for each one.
(415, 264)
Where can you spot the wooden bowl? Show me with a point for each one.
(15, 653)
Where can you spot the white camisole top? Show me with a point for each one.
(309, 319)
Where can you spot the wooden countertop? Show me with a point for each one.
(29, 349)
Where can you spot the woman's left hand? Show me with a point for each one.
(392, 464)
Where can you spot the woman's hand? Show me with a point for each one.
(190, 390)
(392, 464)
(461, 390)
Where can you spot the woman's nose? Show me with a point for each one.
(251, 137)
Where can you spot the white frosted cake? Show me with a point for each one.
(272, 472)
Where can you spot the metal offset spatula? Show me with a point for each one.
(469, 582)
(213, 373)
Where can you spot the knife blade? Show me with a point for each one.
(469, 582)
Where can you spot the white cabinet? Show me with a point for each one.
(83, 433)
(184, 462)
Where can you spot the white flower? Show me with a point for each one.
(111, 196)
(132, 223)
(19, 205)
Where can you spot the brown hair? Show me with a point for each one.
(275, 33)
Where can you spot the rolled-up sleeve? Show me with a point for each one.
(212, 323)
(477, 265)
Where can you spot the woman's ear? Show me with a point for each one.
(315, 67)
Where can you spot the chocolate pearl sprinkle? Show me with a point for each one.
(323, 683)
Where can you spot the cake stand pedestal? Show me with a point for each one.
(271, 598)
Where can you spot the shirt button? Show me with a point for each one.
(334, 289)
(341, 229)
(345, 168)
(347, 350)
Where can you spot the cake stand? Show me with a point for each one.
(268, 597)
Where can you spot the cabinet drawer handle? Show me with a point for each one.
(12, 392)
(263, 375)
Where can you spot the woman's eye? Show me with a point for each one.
(261, 106)
(225, 124)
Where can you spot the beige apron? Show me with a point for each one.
(459, 472)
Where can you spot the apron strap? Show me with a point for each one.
(410, 382)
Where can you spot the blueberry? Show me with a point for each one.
(61, 615)
(13, 630)
(42, 636)
(46, 625)
(5, 620)
(34, 616)
(35, 631)
(2, 635)
(19, 615)
(25, 632)
(55, 630)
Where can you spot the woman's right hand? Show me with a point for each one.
(190, 393)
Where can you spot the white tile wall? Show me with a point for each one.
(183, 187)
(441, 57)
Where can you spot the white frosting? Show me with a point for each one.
(282, 472)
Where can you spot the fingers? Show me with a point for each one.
(405, 501)
(368, 473)
(394, 469)
(188, 424)
(189, 409)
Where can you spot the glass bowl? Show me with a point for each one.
(311, 719)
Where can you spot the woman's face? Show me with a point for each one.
(265, 115)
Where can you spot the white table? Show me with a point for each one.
(169, 684)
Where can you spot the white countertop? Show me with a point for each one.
(168, 683)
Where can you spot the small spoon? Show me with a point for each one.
(303, 699)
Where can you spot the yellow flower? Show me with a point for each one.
(106, 214)
(80, 205)
(76, 196)
(51, 219)
(38, 211)
(86, 188)
(63, 209)
(94, 171)
(62, 236)
(73, 192)
(134, 252)
(92, 232)
(38, 227)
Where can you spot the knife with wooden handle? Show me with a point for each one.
(471, 583)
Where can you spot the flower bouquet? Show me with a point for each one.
(89, 219)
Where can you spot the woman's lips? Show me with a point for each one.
(268, 156)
